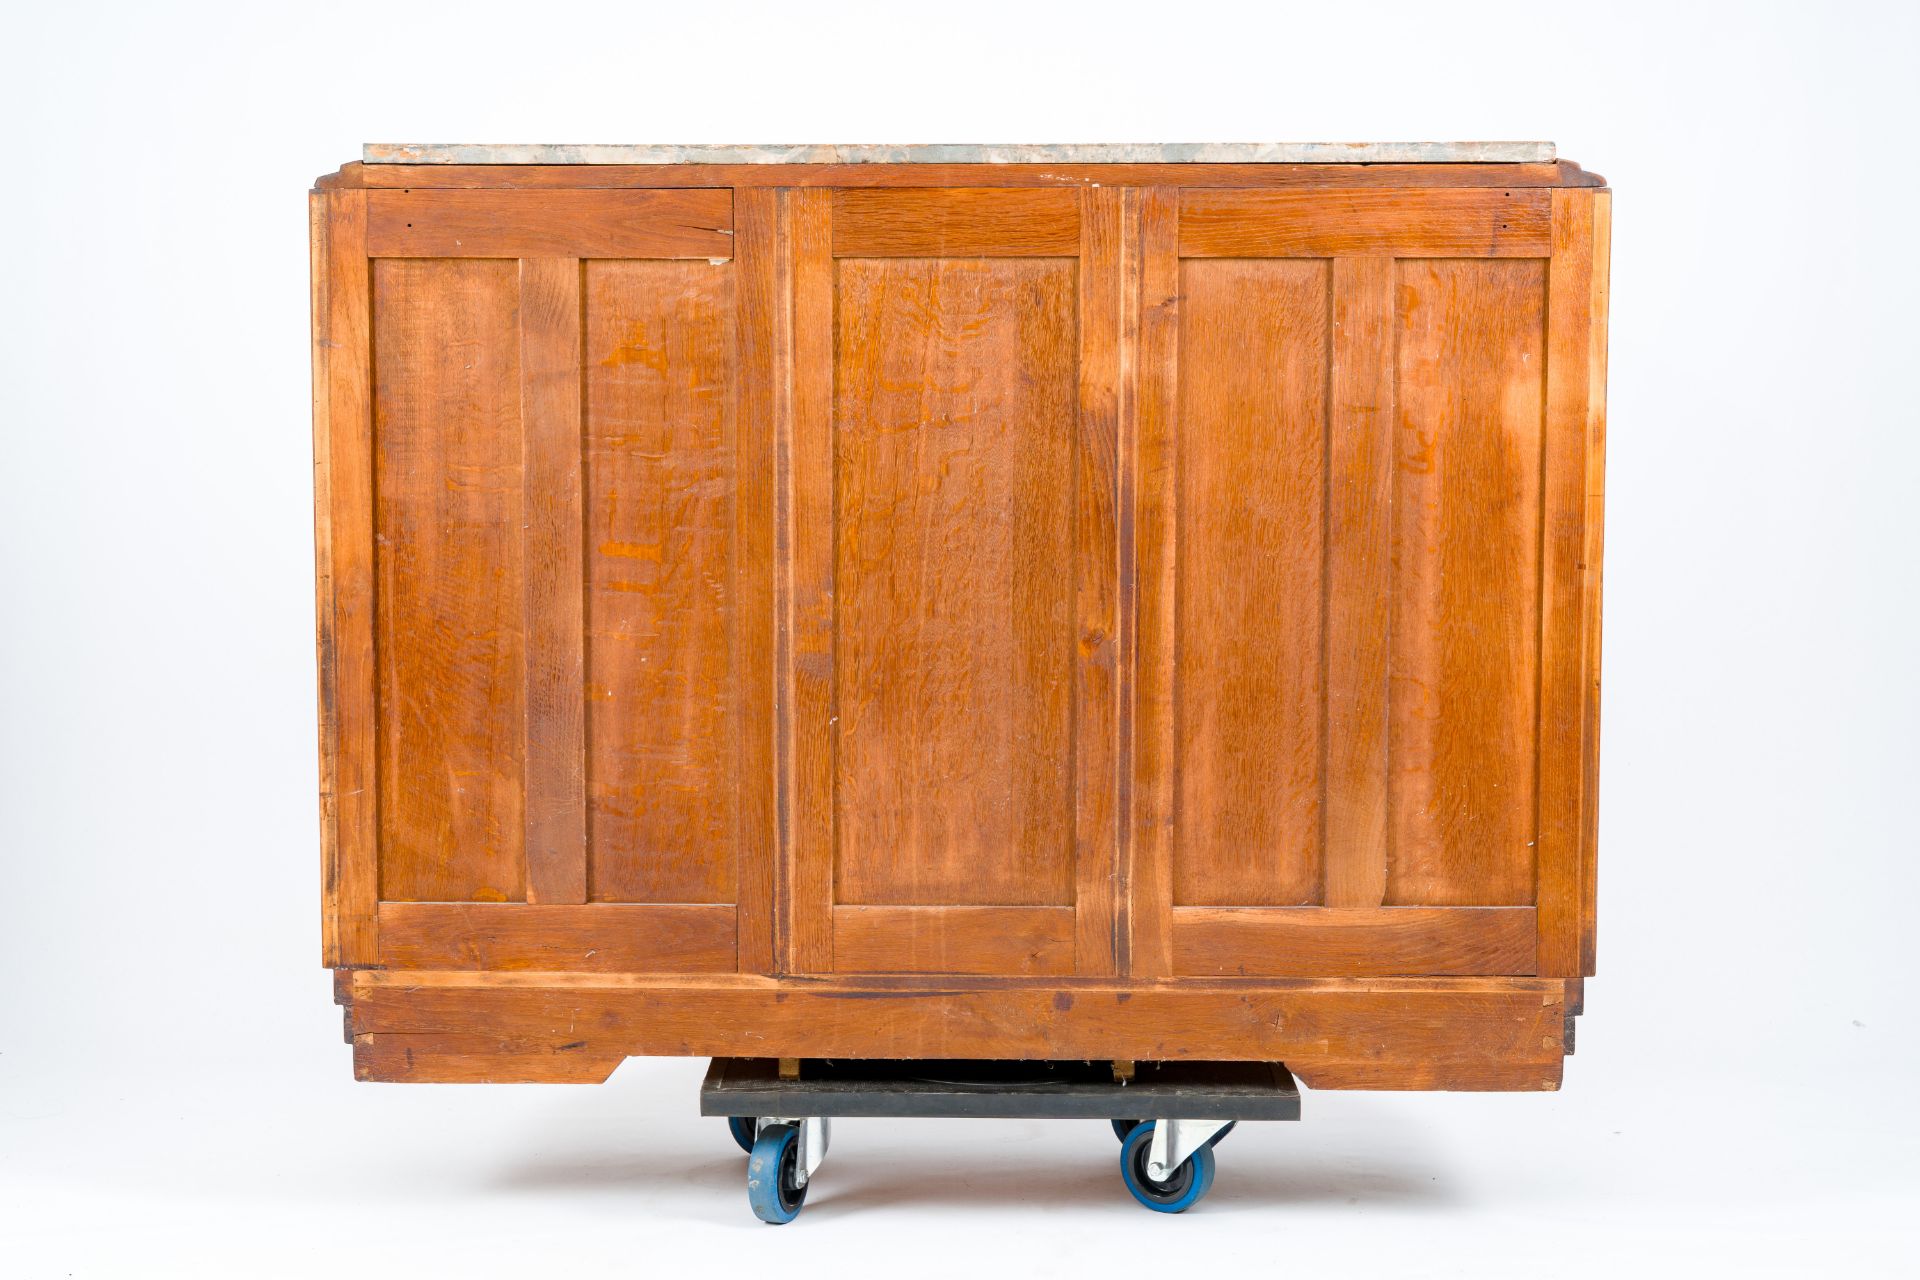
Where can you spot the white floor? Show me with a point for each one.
(238, 1167)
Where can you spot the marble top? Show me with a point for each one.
(967, 153)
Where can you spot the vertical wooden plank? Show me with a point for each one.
(761, 296)
(1596, 511)
(450, 596)
(1563, 650)
(662, 743)
(1463, 655)
(1150, 878)
(343, 451)
(551, 534)
(954, 422)
(810, 605)
(1358, 580)
(1250, 507)
(1108, 315)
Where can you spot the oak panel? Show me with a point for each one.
(676, 223)
(956, 223)
(659, 359)
(1353, 942)
(590, 938)
(1251, 481)
(954, 412)
(448, 515)
(1470, 223)
(977, 940)
(1466, 579)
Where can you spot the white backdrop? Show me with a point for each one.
(174, 1096)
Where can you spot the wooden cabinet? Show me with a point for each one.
(1071, 608)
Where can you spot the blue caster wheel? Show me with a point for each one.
(772, 1187)
(1121, 1128)
(744, 1129)
(1193, 1179)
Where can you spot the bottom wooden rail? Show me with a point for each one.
(1415, 1033)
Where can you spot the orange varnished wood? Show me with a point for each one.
(949, 939)
(1462, 1033)
(1596, 409)
(1358, 580)
(812, 597)
(344, 580)
(1353, 942)
(964, 222)
(450, 644)
(1155, 548)
(1248, 621)
(574, 224)
(1108, 323)
(960, 611)
(761, 295)
(660, 558)
(954, 423)
(556, 714)
(1563, 643)
(1466, 574)
(1470, 223)
(599, 937)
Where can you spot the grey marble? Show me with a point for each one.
(969, 153)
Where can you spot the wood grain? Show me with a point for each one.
(1458, 1033)
(569, 224)
(1595, 541)
(1563, 644)
(1359, 583)
(448, 516)
(954, 429)
(760, 294)
(556, 713)
(1249, 697)
(1353, 942)
(592, 938)
(659, 379)
(344, 580)
(1471, 223)
(1108, 323)
(1155, 553)
(813, 595)
(949, 940)
(963, 222)
(1466, 572)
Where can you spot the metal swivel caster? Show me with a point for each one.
(781, 1163)
(1168, 1164)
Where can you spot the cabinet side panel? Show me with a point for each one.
(1249, 677)
(1465, 623)
(448, 480)
(956, 401)
(662, 751)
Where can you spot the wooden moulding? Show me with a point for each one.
(1458, 1034)
(421, 177)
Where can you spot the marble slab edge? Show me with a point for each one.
(968, 153)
